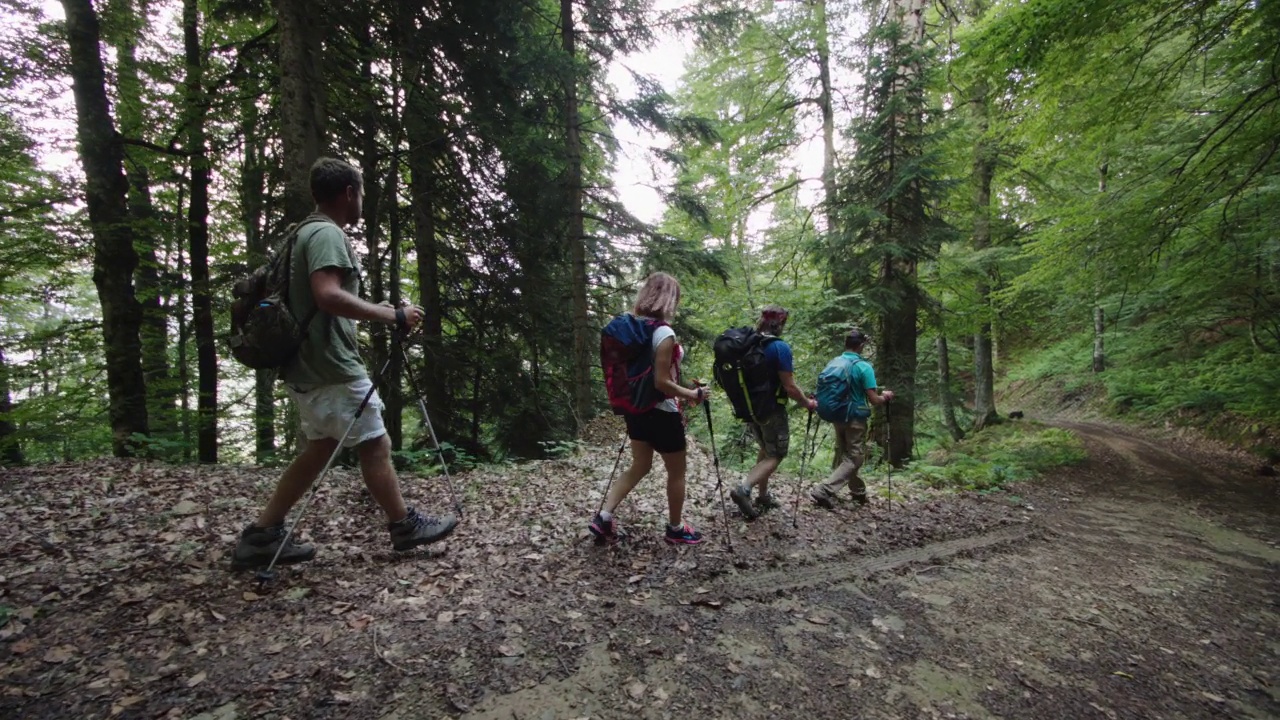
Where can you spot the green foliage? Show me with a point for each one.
(1001, 454)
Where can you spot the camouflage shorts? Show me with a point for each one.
(773, 434)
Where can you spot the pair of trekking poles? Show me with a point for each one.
(808, 450)
(813, 450)
(399, 337)
(715, 461)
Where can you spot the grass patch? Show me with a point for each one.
(999, 455)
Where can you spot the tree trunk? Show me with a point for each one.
(10, 449)
(373, 188)
(945, 396)
(146, 225)
(198, 233)
(576, 237)
(114, 257)
(302, 101)
(395, 398)
(984, 166)
(422, 132)
(253, 189)
(1099, 315)
(905, 216)
(1099, 327)
(828, 116)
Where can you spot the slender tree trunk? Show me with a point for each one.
(114, 257)
(423, 132)
(146, 225)
(198, 234)
(1099, 315)
(984, 402)
(253, 189)
(10, 449)
(373, 206)
(827, 106)
(302, 101)
(945, 396)
(576, 239)
(395, 398)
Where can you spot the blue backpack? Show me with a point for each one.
(835, 392)
(626, 357)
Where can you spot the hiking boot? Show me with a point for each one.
(684, 536)
(258, 545)
(605, 531)
(861, 500)
(741, 497)
(415, 530)
(767, 502)
(822, 499)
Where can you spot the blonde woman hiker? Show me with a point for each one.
(641, 356)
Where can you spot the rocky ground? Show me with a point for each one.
(1140, 584)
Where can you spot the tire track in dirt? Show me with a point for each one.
(768, 583)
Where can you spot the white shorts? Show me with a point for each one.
(327, 410)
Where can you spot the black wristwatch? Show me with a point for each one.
(402, 322)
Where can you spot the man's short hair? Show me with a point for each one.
(330, 178)
(855, 339)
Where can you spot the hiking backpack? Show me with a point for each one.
(744, 375)
(835, 392)
(265, 335)
(626, 356)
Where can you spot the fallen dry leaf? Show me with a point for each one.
(23, 646)
(197, 679)
(818, 620)
(444, 617)
(59, 654)
(636, 690)
(510, 650)
(251, 596)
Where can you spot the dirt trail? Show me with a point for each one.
(1145, 585)
(1140, 584)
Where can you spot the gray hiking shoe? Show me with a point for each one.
(861, 500)
(822, 499)
(258, 545)
(741, 497)
(767, 502)
(416, 530)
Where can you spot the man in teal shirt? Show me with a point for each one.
(852, 435)
(327, 379)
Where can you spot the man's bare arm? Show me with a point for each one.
(326, 288)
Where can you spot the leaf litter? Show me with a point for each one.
(117, 592)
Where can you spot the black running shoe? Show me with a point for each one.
(606, 532)
(416, 530)
(684, 536)
(258, 545)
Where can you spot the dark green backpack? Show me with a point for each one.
(265, 334)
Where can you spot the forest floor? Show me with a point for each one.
(1142, 583)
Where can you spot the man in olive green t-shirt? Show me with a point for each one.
(328, 381)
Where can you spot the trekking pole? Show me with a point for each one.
(426, 420)
(609, 485)
(715, 457)
(805, 457)
(267, 575)
(888, 451)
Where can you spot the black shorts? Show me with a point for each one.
(661, 429)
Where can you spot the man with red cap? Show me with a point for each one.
(772, 429)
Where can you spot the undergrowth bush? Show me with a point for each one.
(998, 455)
